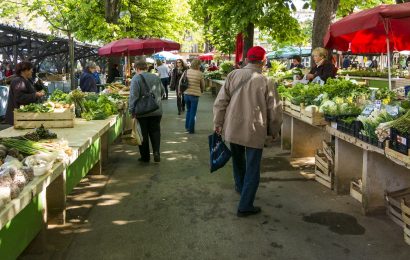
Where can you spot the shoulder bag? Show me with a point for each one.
(147, 101)
(183, 82)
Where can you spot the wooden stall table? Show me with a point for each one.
(357, 159)
(44, 199)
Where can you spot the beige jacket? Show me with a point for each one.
(195, 83)
(248, 107)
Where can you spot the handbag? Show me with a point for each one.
(147, 101)
(183, 82)
(218, 151)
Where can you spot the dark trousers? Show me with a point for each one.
(180, 103)
(165, 82)
(151, 130)
(246, 171)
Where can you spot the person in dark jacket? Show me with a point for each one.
(297, 62)
(113, 73)
(175, 78)
(323, 68)
(87, 80)
(21, 90)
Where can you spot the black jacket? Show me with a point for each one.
(324, 71)
(87, 82)
(175, 77)
(21, 92)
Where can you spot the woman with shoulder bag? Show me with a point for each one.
(177, 72)
(192, 93)
(144, 87)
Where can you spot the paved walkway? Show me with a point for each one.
(177, 210)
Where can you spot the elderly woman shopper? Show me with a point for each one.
(87, 79)
(323, 68)
(150, 123)
(21, 90)
(175, 79)
(195, 89)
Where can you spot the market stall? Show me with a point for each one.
(58, 159)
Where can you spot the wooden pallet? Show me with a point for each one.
(329, 151)
(393, 205)
(313, 117)
(61, 118)
(323, 170)
(397, 157)
(405, 213)
(356, 191)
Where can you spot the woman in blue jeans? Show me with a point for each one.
(191, 95)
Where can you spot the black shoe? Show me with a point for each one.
(256, 210)
(143, 161)
(179, 113)
(157, 157)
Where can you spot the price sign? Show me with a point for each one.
(392, 110)
(378, 104)
(368, 110)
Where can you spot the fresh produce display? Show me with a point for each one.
(60, 97)
(36, 108)
(217, 74)
(92, 106)
(40, 133)
(116, 88)
(365, 73)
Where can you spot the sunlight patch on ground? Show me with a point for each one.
(125, 222)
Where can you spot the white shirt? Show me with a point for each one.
(163, 71)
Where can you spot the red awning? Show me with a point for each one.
(136, 47)
(206, 56)
(365, 31)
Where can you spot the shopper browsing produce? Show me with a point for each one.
(21, 90)
(87, 80)
(323, 68)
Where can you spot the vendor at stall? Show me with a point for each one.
(21, 90)
(296, 62)
(323, 68)
(87, 80)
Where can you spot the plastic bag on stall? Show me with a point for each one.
(10, 163)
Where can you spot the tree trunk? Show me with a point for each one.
(72, 65)
(112, 10)
(248, 39)
(325, 12)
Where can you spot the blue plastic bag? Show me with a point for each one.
(218, 151)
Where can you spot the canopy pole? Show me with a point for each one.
(386, 28)
(388, 61)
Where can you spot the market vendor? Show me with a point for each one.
(297, 62)
(323, 68)
(21, 90)
(87, 80)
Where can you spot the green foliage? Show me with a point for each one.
(217, 74)
(226, 67)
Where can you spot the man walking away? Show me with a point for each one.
(246, 109)
(150, 123)
(163, 72)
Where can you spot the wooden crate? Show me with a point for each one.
(356, 191)
(313, 117)
(295, 110)
(396, 156)
(393, 204)
(285, 104)
(323, 170)
(405, 213)
(329, 151)
(63, 118)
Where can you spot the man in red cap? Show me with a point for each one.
(246, 110)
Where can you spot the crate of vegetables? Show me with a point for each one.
(312, 115)
(50, 115)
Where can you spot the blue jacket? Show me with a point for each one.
(87, 82)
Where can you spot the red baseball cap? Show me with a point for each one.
(256, 53)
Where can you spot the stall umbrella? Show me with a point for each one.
(378, 30)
